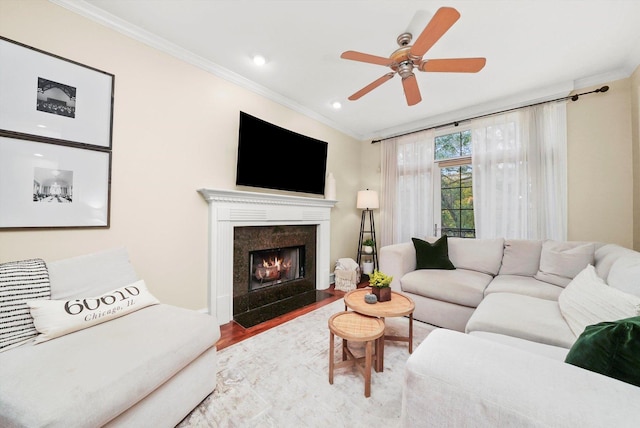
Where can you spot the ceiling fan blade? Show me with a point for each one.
(444, 18)
(453, 65)
(411, 90)
(363, 57)
(371, 86)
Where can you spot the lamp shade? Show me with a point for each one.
(367, 200)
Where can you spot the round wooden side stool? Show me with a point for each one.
(352, 326)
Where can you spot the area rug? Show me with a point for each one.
(279, 378)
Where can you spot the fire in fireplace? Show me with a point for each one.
(275, 266)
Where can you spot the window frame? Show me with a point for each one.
(437, 181)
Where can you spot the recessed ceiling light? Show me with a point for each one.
(259, 60)
(336, 105)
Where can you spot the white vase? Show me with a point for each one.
(330, 187)
(367, 268)
(367, 249)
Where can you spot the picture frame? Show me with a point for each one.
(50, 98)
(46, 185)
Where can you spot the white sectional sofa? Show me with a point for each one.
(150, 367)
(510, 302)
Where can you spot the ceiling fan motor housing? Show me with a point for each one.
(405, 69)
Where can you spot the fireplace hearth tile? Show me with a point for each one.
(265, 313)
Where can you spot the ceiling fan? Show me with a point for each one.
(408, 57)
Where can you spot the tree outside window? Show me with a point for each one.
(452, 152)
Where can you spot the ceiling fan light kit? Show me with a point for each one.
(408, 57)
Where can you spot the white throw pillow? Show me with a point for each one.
(521, 257)
(481, 255)
(625, 274)
(561, 261)
(54, 318)
(588, 300)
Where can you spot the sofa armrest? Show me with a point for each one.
(453, 379)
(397, 260)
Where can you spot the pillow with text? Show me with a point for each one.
(54, 318)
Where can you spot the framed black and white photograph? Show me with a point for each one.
(49, 98)
(46, 185)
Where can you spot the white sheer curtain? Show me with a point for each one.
(407, 189)
(519, 173)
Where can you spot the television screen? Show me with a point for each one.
(275, 158)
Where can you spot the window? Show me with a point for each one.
(515, 189)
(453, 146)
(454, 193)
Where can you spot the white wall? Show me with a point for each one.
(175, 131)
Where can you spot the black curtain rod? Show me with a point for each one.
(457, 122)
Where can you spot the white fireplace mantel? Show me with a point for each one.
(231, 208)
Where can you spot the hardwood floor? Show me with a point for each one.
(233, 332)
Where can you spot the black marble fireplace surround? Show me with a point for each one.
(253, 307)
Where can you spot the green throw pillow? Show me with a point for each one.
(611, 349)
(432, 256)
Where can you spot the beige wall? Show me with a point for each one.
(162, 155)
(600, 169)
(635, 138)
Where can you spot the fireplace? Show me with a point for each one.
(271, 264)
(275, 266)
(230, 210)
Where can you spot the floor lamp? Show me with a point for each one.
(368, 201)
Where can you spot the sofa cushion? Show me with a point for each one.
(607, 255)
(90, 274)
(554, 352)
(521, 257)
(102, 371)
(460, 286)
(457, 380)
(624, 274)
(611, 349)
(482, 255)
(526, 285)
(432, 255)
(55, 318)
(20, 282)
(560, 261)
(588, 300)
(522, 316)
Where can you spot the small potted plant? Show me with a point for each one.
(381, 285)
(367, 246)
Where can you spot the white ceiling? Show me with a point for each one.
(535, 50)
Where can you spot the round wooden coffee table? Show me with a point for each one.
(352, 326)
(399, 306)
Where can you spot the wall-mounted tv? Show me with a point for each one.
(276, 158)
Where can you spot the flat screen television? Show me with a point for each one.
(272, 157)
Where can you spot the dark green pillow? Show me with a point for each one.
(611, 349)
(432, 256)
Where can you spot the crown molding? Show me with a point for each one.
(102, 17)
(520, 99)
